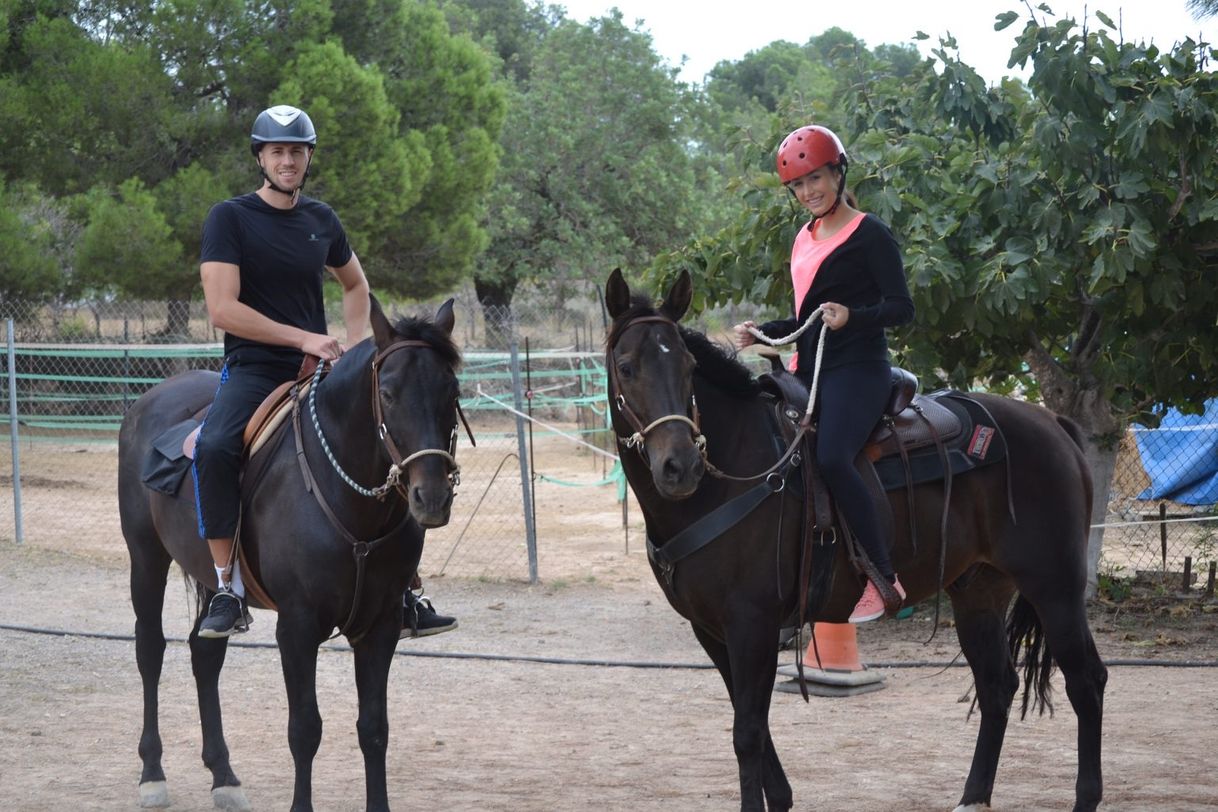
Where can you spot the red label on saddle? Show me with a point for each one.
(979, 443)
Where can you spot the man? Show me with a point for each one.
(262, 262)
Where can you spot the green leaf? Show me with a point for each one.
(1003, 20)
(1105, 19)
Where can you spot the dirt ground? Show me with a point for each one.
(473, 729)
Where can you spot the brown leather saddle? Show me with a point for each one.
(269, 415)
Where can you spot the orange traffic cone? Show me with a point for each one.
(831, 664)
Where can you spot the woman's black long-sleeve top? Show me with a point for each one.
(866, 274)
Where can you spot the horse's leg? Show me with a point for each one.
(149, 570)
(748, 673)
(1063, 616)
(206, 661)
(373, 656)
(298, 644)
(980, 613)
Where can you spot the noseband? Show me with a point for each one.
(639, 437)
(398, 463)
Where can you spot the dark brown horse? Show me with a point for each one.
(390, 401)
(1014, 581)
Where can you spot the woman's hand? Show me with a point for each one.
(834, 315)
(743, 337)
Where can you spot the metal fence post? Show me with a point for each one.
(526, 485)
(12, 429)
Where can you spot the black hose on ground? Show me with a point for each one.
(525, 658)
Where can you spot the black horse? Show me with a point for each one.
(304, 532)
(666, 382)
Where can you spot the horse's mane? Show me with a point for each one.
(419, 329)
(716, 363)
(719, 366)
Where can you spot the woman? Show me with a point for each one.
(847, 263)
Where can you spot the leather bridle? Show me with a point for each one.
(399, 462)
(639, 437)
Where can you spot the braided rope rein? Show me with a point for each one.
(395, 469)
(791, 339)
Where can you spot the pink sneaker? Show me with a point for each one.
(871, 605)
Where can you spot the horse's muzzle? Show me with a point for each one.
(678, 471)
(431, 504)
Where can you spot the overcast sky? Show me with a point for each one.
(708, 31)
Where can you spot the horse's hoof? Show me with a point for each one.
(230, 799)
(154, 795)
(972, 808)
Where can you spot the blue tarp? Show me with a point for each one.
(1181, 457)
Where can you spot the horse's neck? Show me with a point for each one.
(738, 432)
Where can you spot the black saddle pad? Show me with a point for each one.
(980, 443)
(165, 465)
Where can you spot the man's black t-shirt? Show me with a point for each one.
(282, 255)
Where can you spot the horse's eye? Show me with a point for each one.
(625, 370)
(386, 396)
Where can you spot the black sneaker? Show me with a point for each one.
(419, 617)
(225, 615)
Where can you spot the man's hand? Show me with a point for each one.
(324, 347)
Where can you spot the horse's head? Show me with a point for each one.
(415, 390)
(651, 385)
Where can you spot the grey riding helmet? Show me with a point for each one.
(282, 124)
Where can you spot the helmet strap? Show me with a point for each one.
(841, 190)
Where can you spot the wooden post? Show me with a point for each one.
(1163, 532)
(1209, 584)
(1188, 573)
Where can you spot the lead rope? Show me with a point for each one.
(790, 339)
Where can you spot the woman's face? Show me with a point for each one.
(817, 190)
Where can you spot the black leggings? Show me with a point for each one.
(852, 400)
(217, 466)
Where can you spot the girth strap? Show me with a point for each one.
(710, 527)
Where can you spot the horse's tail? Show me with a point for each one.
(1025, 632)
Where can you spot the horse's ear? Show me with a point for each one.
(445, 318)
(617, 294)
(678, 298)
(381, 328)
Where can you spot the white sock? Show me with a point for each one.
(234, 583)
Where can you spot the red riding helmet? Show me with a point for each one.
(807, 149)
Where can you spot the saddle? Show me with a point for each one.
(267, 417)
(919, 438)
(174, 449)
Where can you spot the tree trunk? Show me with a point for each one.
(495, 296)
(1102, 430)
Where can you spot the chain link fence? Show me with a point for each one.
(533, 386)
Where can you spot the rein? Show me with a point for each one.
(361, 549)
(397, 462)
(639, 437)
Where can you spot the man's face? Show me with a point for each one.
(285, 164)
